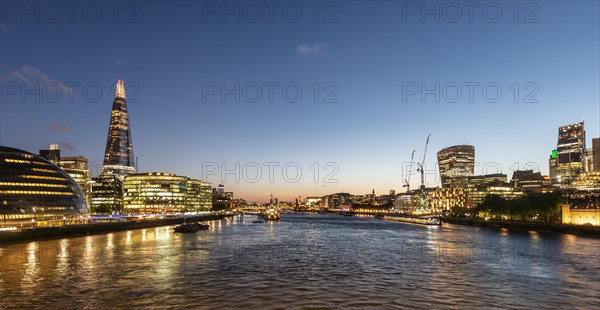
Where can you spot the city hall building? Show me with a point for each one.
(35, 192)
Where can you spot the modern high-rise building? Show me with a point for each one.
(596, 154)
(118, 157)
(568, 160)
(199, 195)
(456, 163)
(157, 192)
(77, 168)
(106, 193)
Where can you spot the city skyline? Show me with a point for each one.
(368, 133)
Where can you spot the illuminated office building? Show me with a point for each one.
(587, 182)
(476, 195)
(35, 192)
(77, 168)
(443, 199)
(529, 181)
(335, 201)
(568, 160)
(118, 157)
(403, 202)
(106, 193)
(456, 163)
(199, 196)
(222, 200)
(157, 192)
(479, 180)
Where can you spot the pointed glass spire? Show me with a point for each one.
(118, 157)
(120, 90)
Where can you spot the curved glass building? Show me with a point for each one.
(456, 163)
(35, 192)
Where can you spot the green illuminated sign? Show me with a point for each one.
(554, 153)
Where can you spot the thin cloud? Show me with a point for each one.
(58, 127)
(31, 75)
(308, 50)
(67, 146)
(3, 27)
(118, 62)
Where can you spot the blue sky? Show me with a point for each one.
(368, 54)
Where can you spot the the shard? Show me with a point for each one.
(118, 158)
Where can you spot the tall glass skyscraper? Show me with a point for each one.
(118, 158)
(568, 160)
(456, 163)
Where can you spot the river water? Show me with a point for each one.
(305, 261)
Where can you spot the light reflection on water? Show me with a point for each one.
(305, 261)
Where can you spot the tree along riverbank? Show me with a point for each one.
(586, 230)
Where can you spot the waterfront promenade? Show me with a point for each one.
(99, 228)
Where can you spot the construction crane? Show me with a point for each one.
(407, 180)
(422, 163)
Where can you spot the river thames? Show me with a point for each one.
(305, 261)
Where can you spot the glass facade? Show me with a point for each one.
(443, 199)
(77, 168)
(479, 180)
(456, 163)
(157, 192)
(118, 157)
(476, 195)
(35, 192)
(106, 193)
(588, 182)
(199, 195)
(570, 155)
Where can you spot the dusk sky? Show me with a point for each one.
(365, 60)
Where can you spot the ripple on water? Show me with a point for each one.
(310, 262)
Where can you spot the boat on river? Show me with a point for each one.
(272, 215)
(424, 220)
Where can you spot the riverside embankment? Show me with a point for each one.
(97, 228)
(586, 230)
